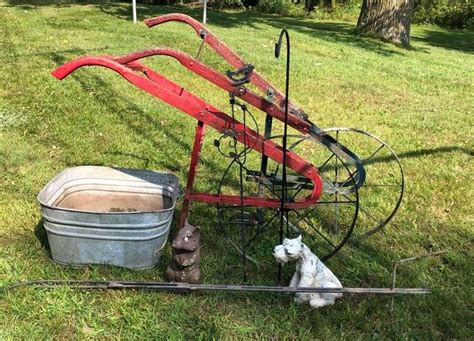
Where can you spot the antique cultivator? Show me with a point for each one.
(341, 183)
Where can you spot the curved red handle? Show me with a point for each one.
(175, 17)
(64, 70)
(197, 108)
(224, 51)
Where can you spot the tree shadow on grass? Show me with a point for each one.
(32, 4)
(334, 32)
(48, 54)
(462, 41)
(421, 153)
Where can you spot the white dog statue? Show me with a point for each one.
(310, 272)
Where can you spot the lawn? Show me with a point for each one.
(418, 99)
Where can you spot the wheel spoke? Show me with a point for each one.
(373, 154)
(349, 178)
(325, 162)
(328, 182)
(366, 212)
(371, 216)
(307, 213)
(317, 231)
(364, 162)
(335, 167)
(302, 216)
(383, 185)
(260, 229)
(299, 189)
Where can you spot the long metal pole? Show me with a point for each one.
(204, 12)
(284, 212)
(185, 287)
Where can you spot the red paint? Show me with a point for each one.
(219, 80)
(169, 92)
(198, 138)
(223, 50)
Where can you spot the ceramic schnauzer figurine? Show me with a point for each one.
(310, 272)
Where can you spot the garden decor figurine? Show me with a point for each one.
(184, 266)
(310, 272)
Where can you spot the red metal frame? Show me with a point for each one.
(169, 92)
(200, 129)
(223, 50)
(221, 81)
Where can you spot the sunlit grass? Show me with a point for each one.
(418, 100)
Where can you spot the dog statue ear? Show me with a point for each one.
(298, 238)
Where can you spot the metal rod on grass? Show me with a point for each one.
(185, 287)
(406, 260)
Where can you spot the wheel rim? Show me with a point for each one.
(331, 220)
(326, 226)
(382, 193)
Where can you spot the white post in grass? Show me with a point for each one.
(204, 12)
(134, 9)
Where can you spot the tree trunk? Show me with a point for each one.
(386, 19)
(328, 3)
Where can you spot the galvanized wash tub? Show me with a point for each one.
(103, 215)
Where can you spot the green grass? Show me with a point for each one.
(419, 100)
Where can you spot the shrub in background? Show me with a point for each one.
(281, 7)
(345, 10)
(448, 13)
(230, 4)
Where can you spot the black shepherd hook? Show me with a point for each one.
(283, 212)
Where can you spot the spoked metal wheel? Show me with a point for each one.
(325, 226)
(381, 194)
(244, 226)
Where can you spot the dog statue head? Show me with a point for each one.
(291, 249)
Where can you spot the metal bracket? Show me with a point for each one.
(406, 260)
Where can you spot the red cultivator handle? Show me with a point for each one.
(194, 65)
(274, 103)
(230, 56)
(171, 93)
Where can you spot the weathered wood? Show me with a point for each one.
(386, 19)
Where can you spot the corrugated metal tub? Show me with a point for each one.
(103, 215)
